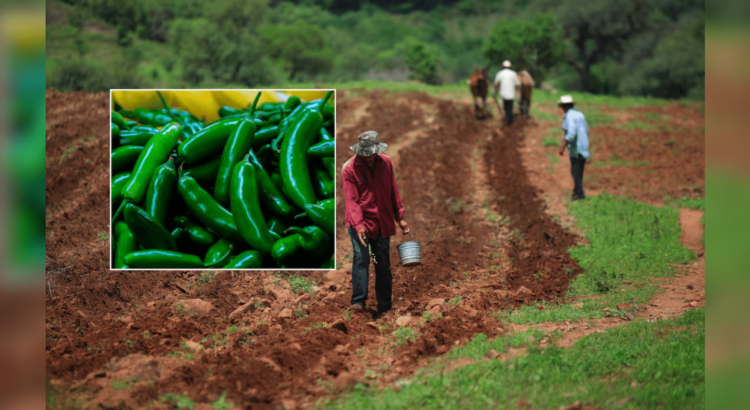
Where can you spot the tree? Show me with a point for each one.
(597, 30)
(536, 44)
(300, 45)
(421, 60)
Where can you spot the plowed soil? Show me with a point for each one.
(129, 340)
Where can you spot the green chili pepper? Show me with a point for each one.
(237, 147)
(177, 234)
(214, 216)
(160, 191)
(194, 232)
(285, 249)
(139, 138)
(157, 151)
(293, 161)
(131, 124)
(329, 164)
(313, 240)
(246, 208)
(246, 260)
(118, 181)
(147, 231)
(322, 217)
(292, 102)
(224, 111)
(324, 135)
(205, 172)
(270, 196)
(124, 157)
(270, 106)
(218, 249)
(161, 259)
(322, 149)
(125, 244)
(208, 141)
(119, 121)
(265, 134)
(148, 117)
(114, 129)
(144, 128)
(276, 225)
(322, 183)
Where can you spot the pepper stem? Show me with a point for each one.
(302, 215)
(169, 111)
(325, 100)
(119, 210)
(297, 230)
(255, 102)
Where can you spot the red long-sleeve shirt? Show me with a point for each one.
(371, 196)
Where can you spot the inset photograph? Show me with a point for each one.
(222, 179)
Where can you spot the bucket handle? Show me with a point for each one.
(412, 237)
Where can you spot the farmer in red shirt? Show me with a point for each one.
(372, 205)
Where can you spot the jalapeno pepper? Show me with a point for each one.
(161, 259)
(214, 216)
(144, 128)
(322, 217)
(204, 172)
(218, 249)
(157, 151)
(160, 191)
(148, 117)
(246, 260)
(276, 225)
(131, 124)
(329, 164)
(270, 196)
(123, 158)
(118, 181)
(270, 106)
(265, 134)
(224, 111)
(177, 234)
(208, 141)
(293, 158)
(194, 232)
(139, 138)
(321, 182)
(324, 135)
(313, 240)
(147, 231)
(292, 102)
(119, 121)
(125, 244)
(246, 208)
(285, 250)
(322, 149)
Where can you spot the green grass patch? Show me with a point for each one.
(656, 365)
(617, 162)
(297, 283)
(551, 142)
(628, 241)
(125, 384)
(553, 159)
(686, 202)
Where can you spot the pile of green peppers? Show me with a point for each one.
(254, 189)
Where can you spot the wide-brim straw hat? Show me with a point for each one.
(369, 144)
(506, 64)
(565, 99)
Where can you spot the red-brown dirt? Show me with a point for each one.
(124, 340)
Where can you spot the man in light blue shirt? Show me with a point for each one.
(576, 139)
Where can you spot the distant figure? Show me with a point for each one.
(576, 138)
(506, 81)
(527, 84)
(479, 85)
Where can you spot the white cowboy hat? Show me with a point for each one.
(566, 99)
(506, 64)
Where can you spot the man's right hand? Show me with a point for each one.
(362, 236)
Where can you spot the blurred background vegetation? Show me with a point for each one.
(624, 47)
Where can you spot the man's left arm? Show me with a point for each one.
(398, 207)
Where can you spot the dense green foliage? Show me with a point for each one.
(635, 47)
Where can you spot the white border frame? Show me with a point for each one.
(335, 185)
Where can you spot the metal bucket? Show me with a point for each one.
(410, 253)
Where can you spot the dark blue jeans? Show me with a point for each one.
(577, 164)
(361, 270)
(508, 106)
